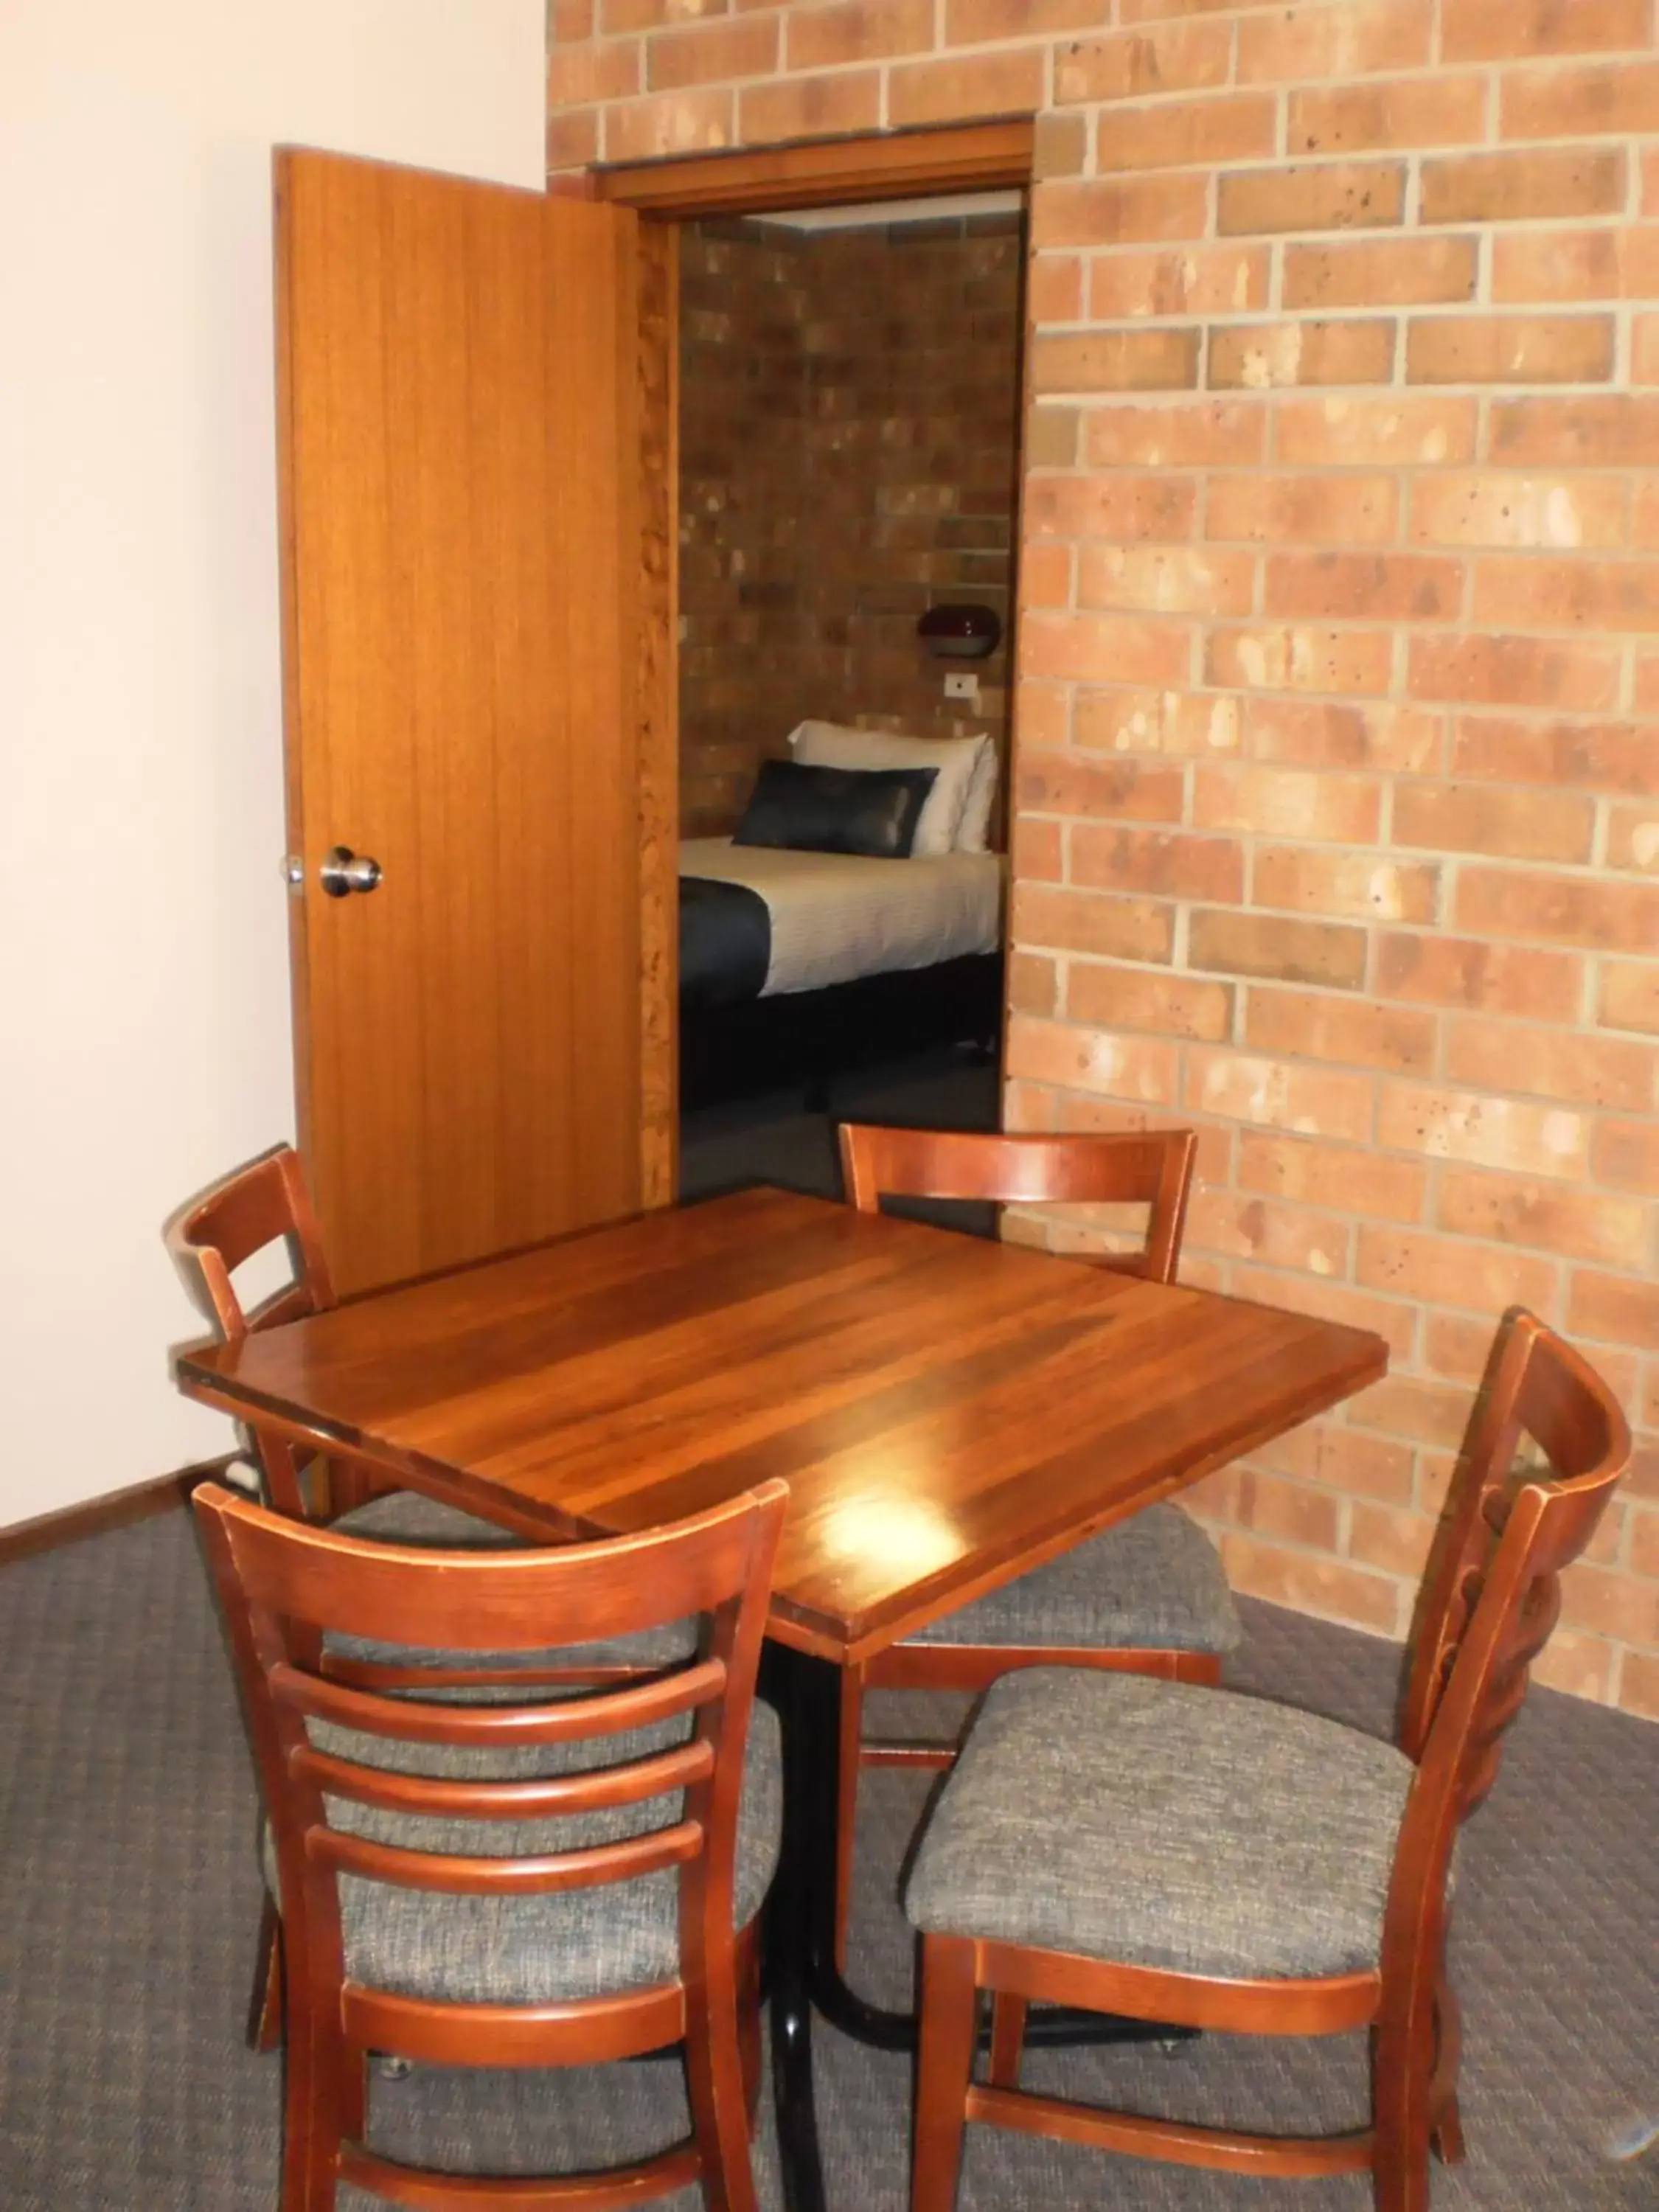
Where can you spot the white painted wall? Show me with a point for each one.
(144, 1036)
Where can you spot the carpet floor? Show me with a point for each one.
(129, 1900)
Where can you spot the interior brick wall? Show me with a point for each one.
(1337, 823)
(849, 427)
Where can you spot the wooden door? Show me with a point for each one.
(469, 701)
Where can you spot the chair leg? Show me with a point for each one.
(1402, 2071)
(847, 1801)
(354, 2095)
(264, 2012)
(1446, 2136)
(1007, 2040)
(945, 2058)
(748, 2027)
(311, 2114)
(1446, 2139)
(716, 2084)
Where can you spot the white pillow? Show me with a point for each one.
(832, 745)
(973, 830)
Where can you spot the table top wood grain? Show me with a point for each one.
(948, 1411)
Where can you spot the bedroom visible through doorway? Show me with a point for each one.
(849, 417)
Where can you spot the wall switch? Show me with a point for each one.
(962, 685)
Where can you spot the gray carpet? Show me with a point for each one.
(129, 1896)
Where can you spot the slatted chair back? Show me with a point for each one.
(1153, 1170)
(334, 1760)
(1491, 1594)
(265, 1203)
(1488, 1600)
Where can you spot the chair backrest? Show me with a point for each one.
(1491, 1595)
(1153, 1169)
(1509, 1529)
(340, 1766)
(263, 1204)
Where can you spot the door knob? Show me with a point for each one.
(345, 872)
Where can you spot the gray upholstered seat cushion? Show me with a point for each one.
(1152, 1583)
(532, 1950)
(408, 1516)
(1155, 1824)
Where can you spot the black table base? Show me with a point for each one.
(791, 1911)
(802, 1972)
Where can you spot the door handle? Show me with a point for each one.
(345, 872)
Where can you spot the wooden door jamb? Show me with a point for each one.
(882, 165)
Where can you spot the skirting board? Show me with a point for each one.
(138, 1502)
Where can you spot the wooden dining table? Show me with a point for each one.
(948, 1411)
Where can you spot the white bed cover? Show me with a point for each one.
(837, 915)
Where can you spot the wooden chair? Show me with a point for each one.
(248, 1212)
(258, 1207)
(1148, 1597)
(532, 1881)
(262, 1205)
(254, 1210)
(1221, 1861)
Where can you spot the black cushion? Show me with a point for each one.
(873, 811)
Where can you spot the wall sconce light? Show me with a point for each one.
(960, 633)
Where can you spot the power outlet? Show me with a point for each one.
(962, 683)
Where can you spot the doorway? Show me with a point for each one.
(849, 410)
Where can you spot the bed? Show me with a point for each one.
(797, 963)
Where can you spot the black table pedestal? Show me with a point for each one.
(792, 1909)
(802, 1975)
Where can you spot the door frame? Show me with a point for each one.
(811, 172)
(823, 171)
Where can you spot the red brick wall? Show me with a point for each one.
(849, 405)
(1338, 809)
